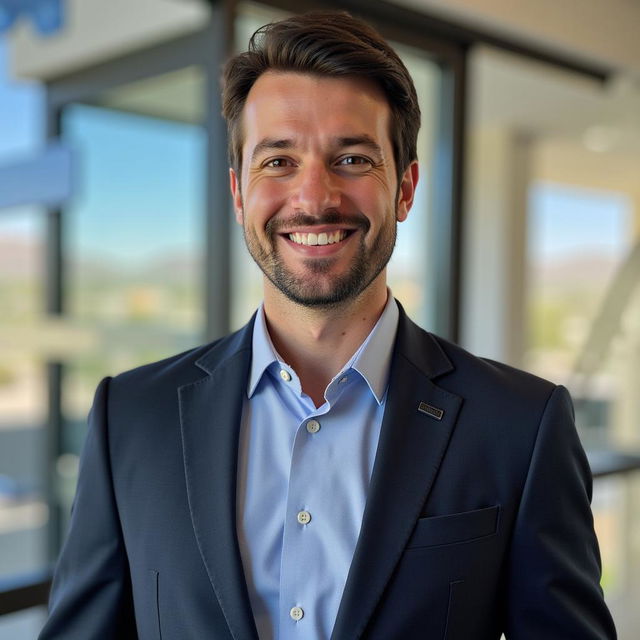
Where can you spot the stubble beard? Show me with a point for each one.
(313, 289)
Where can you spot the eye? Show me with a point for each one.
(278, 163)
(354, 161)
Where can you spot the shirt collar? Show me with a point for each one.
(263, 353)
(371, 360)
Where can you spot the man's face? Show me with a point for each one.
(318, 195)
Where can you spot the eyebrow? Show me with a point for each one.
(361, 141)
(270, 144)
(279, 144)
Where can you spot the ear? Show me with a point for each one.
(234, 185)
(407, 191)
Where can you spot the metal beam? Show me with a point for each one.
(217, 280)
(24, 592)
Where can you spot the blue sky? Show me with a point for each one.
(139, 180)
(568, 220)
(140, 184)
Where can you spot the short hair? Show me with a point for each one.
(324, 43)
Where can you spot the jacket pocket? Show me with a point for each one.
(454, 616)
(455, 528)
(154, 612)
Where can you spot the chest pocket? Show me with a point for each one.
(455, 528)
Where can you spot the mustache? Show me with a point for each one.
(302, 219)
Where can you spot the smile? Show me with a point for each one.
(315, 239)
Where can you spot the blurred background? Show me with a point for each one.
(117, 245)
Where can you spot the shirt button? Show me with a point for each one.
(285, 375)
(296, 613)
(313, 426)
(304, 517)
(343, 380)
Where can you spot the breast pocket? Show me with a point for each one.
(455, 528)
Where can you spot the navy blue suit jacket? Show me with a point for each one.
(477, 521)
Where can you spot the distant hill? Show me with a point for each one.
(20, 257)
(577, 271)
(23, 258)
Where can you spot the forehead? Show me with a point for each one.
(308, 108)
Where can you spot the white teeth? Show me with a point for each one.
(314, 239)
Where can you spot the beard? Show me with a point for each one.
(315, 287)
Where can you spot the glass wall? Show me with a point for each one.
(23, 393)
(23, 353)
(579, 241)
(132, 290)
(553, 267)
(133, 239)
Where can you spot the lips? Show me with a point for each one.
(317, 239)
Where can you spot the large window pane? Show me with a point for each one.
(553, 264)
(23, 400)
(133, 240)
(23, 389)
(579, 239)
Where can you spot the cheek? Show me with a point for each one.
(375, 203)
(262, 201)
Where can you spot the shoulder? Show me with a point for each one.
(502, 408)
(474, 378)
(487, 373)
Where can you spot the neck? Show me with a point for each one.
(317, 343)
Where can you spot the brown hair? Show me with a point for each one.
(325, 43)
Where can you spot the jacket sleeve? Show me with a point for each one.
(553, 586)
(91, 593)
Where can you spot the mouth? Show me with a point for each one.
(318, 239)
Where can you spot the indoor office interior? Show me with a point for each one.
(118, 244)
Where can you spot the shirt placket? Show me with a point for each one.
(298, 592)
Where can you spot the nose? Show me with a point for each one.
(316, 190)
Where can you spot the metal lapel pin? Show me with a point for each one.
(430, 410)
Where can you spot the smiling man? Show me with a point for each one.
(331, 470)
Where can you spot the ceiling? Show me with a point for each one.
(538, 99)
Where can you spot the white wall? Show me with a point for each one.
(498, 166)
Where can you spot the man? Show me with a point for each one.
(331, 470)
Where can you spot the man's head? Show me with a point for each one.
(323, 122)
(326, 44)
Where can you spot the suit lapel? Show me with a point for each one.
(210, 414)
(411, 448)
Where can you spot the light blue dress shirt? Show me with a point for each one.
(303, 477)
